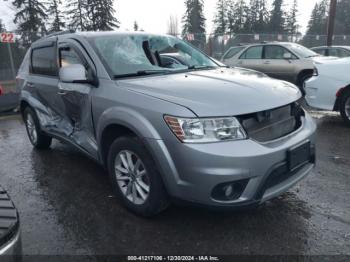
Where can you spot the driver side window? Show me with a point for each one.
(277, 52)
(68, 56)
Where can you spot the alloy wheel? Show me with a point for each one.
(32, 132)
(132, 177)
(347, 108)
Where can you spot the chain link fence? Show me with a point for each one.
(13, 49)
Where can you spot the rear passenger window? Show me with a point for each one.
(253, 53)
(321, 51)
(333, 52)
(44, 61)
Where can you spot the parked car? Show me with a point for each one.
(10, 236)
(335, 51)
(285, 61)
(203, 134)
(9, 96)
(330, 89)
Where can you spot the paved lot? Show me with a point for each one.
(66, 206)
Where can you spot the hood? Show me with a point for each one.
(321, 59)
(219, 92)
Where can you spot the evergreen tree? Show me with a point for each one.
(257, 16)
(291, 20)
(237, 16)
(136, 26)
(77, 12)
(194, 21)
(54, 11)
(102, 15)
(276, 22)
(221, 17)
(342, 20)
(318, 21)
(2, 26)
(30, 19)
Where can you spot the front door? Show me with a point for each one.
(76, 98)
(279, 62)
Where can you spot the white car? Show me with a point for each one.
(329, 89)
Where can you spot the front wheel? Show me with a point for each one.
(38, 139)
(345, 107)
(135, 178)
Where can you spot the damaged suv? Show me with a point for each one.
(194, 131)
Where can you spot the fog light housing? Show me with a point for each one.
(229, 191)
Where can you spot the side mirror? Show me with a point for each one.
(287, 56)
(73, 74)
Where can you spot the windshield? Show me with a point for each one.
(302, 51)
(128, 55)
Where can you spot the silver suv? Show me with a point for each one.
(199, 133)
(285, 61)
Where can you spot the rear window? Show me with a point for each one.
(44, 61)
(232, 52)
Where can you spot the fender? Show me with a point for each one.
(129, 118)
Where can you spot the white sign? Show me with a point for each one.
(7, 37)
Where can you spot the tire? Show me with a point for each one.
(130, 186)
(36, 136)
(301, 80)
(345, 107)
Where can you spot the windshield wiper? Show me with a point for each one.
(142, 73)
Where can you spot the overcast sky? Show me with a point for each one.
(153, 15)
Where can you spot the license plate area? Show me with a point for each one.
(299, 155)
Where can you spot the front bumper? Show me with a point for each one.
(191, 171)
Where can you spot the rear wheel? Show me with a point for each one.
(345, 107)
(135, 178)
(38, 139)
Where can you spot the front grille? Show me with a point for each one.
(272, 124)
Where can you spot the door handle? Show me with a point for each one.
(267, 62)
(240, 63)
(30, 85)
(61, 93)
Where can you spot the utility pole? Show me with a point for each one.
(331, 21)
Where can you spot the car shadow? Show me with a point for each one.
(79, 192)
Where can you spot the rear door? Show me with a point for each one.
(279, 62)
(252, 58)
(42, 84)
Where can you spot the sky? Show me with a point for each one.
(153, 15)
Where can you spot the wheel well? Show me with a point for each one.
(304, 73)
(23, 106)
(109, 134)
(339, 98)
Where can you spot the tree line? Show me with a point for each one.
(242, 16)
(36, 18)
(319, 18)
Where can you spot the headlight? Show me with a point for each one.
(205, 130)
(315, 71)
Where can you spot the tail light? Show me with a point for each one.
(1, 90)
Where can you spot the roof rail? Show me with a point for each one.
(70, 31)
